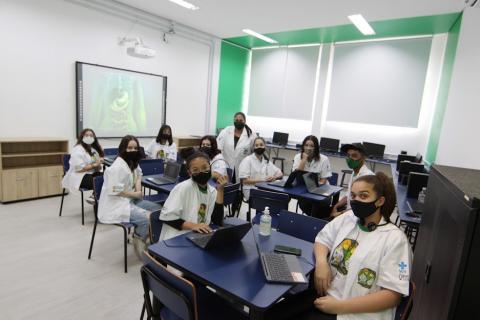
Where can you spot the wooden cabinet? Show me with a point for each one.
(31, 168)
(190, 141)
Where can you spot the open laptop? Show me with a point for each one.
(170, 175)
(221, 237)
(311, 182)
(329, 144)
(278, 267)
(295, 176)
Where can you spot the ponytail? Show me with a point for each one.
(383, 187)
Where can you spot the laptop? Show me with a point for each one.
(374, 150)
(295, 176)
(278, 267)
(311, 182)
(169, 176)
(221, 237)
(280, 138)
(329, 144)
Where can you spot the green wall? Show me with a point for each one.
(233, 68)
(444, 88)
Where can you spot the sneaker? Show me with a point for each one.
(139, 246)
(90, 200)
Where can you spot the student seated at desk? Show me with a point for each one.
(310, 159)
(208, 145)
(85, 162)
(363, 261)
(162, 147)
(193, 203)
(356, 155)
(120, 199)
(257, 168)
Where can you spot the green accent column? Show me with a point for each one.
(233, 69)
(444, 88)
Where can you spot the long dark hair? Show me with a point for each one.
(122, 150)
(213, 142)
(316, 146)
(162, 128)
(383, 187)
(249, 131)
(95, 145)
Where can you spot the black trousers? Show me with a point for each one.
(315, 209)
(87, 181)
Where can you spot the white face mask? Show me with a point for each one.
(88, 140)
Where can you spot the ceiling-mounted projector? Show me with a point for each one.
(139, 50)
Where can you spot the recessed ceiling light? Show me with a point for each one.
(359, 21)
(259, 36)
(185, 4)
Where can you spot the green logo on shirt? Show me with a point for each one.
(202, 213)
(366, 278)
(342, 253)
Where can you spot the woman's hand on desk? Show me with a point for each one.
(269, 179)
(201, 228)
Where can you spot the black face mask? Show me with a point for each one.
(132, 157)
(206, 150)
(259, 151)
(239, 125)
(164, 136)
(202, 177)
(363, 209)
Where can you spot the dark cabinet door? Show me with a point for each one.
(444, 238)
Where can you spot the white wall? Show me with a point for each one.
(41, 40)
(459, 139)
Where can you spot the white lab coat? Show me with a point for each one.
(79, 159)
(113, 208)
(184, 203)
(384, 254)
(226, 143)
(155, 150)
(251, 167)
(364, 171)
(219, 164)
(321, 167)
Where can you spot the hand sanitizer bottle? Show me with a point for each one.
(266, 223)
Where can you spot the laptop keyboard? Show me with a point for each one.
(202, 241)
(277, 267)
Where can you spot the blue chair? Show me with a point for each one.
(66, 167)
(406, 304)
(155, 227)
(299, 225)
(259, 199)
(230, 174)
(181, 298)
(333, 179)
(97, 189)
(110, 151)
(230, 193)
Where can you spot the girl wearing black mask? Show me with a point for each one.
(162, 147)
(121, 194)
(193, 204)
(208, 145)
(257, 168)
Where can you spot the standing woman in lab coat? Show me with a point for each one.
(121, 195)
(85, 162)
(236, 142)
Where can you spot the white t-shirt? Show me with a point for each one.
(364, 171)
(155, 150)
(187, 202)
(365, 262)
(219, 165)
(321, 166)
(251, 167)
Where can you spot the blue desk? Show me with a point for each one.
(235, 272)
(297, 192)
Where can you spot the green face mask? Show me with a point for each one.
(353, 164)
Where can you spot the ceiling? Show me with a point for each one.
(227, 18)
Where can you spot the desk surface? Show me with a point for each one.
(236, 271)
(165, 188)
(297, 192)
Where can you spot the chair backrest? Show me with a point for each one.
(174, 292)
(300, 226)
(155, 226)
(151, 166)
(259, 199)
(230, 174)
(66, 162)
(406, 304)
(333, 179)
(110, 151)
(230, 193)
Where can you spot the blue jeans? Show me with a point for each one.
(139, 215)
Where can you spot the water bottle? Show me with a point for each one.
(266, 223)
(421, 195)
